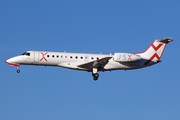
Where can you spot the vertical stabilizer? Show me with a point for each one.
(155, 50)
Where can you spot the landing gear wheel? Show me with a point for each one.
(95, 76)
(18, 71)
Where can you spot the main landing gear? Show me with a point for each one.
(95, 76)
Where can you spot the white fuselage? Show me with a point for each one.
(93, 62)
(71, 60)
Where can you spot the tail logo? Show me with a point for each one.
(156, 48)
(155, 54)
(43, 57)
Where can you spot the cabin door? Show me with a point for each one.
(36, 56)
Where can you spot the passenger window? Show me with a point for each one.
(47, 55)
(71, 57)
(61, 56)
(76, 57)
(52, 55)
(57, 56)
(92, 58)
(97, 58)
(81, 57)
(65, 56)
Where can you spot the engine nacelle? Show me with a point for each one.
(126, 57)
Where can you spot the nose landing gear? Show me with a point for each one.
(18, 70)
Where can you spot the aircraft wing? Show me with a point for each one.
(96, 64)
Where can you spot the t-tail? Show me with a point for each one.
(154, 52)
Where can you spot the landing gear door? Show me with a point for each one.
(36, 56)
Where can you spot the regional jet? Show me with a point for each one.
(93, 62)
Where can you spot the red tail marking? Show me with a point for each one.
(155, 55)
(156, 48)
(152, 45)
(43, 56)
(129, 57)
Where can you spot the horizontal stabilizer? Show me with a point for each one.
(165, 40)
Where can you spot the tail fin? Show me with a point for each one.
(155, 51)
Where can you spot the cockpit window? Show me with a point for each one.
(26, 53)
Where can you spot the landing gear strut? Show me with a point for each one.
(95, 74)
(18, 70)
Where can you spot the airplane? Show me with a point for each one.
(93, 62)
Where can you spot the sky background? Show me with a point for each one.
(95, 26)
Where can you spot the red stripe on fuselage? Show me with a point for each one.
(13, 64)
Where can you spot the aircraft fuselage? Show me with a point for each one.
(93, 62)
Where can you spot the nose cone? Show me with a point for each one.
(13, 60)
(7, 61)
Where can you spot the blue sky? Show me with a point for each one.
(89, 27)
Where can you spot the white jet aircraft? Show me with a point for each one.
(93, 62)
